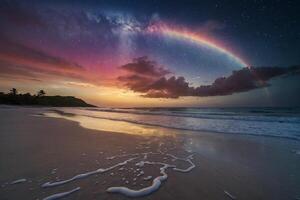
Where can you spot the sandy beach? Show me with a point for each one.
(43, 156)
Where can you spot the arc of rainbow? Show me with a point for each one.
(196, 38)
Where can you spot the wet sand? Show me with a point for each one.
(42, 149)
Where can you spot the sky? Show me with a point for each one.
(154, 53)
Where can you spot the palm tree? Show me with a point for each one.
(41, 93)
(13, 91)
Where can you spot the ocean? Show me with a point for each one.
(272, 122)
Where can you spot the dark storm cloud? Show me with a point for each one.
(169, 88)
(146, 77)
(141, 73)
(145, 67)
(137, 83)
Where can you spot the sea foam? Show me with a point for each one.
(61, 195)
(18, 181)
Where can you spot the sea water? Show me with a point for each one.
(275, 122)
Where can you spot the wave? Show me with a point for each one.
(292, 136)
(211, 115)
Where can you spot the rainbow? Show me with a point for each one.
(195, 38)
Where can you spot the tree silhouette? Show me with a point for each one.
(41, 93)
(13, 91)
(15, 98)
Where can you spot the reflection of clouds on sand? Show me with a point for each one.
(166, 121)
(108, 124)
(202, 147)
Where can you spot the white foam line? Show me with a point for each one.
(84, 175)
(141, 173)
(121, 156)
(229, 195)
(140, 164)
(147, 178)
(18, 181)
(178, 158)
(54, 171)
(146, 155)
(156, 183)
(61, 195)
(187, 169)
(187, 159)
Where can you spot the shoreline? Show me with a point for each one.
(68, 116)
(242, 166)
(177, 130)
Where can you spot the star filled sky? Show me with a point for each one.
(154, 53)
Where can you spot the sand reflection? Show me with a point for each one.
(111, 125)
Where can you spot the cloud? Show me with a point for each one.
(168, 88)
(15, 71)
(10, 50)
(145, 67)
(149, 79)
(141, 74)
(81, 84)
(20, 61)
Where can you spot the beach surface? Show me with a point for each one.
(47, 154)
